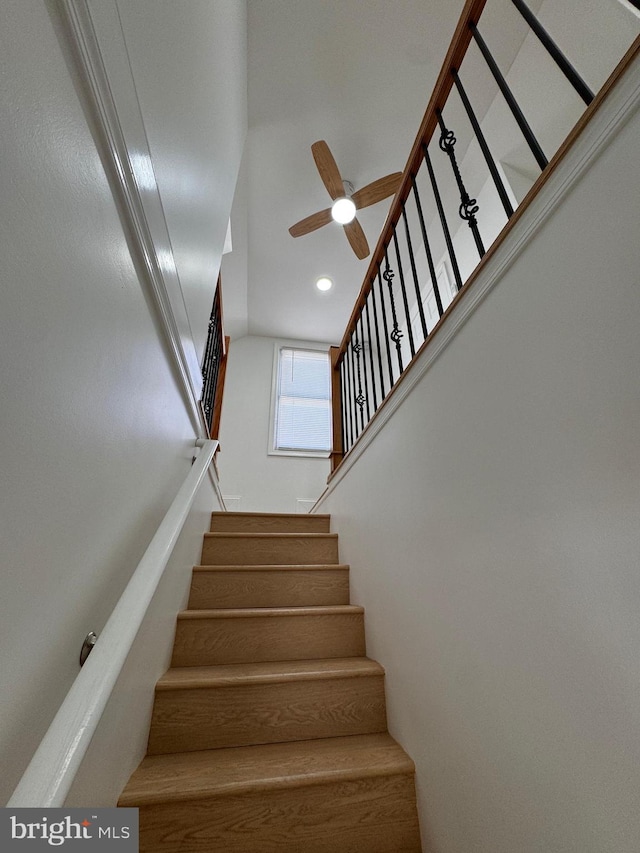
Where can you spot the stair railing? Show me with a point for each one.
(50, 774)
(214, 366)
(420, 264)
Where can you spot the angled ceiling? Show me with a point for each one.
(356, 73)
(359, 75)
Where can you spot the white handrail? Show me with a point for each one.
(48, 778)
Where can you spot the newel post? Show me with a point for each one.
(336, 409)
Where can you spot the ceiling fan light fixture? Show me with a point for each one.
(324, 283)
(343, 210)
(346, 200)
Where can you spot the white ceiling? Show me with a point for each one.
(359, 75)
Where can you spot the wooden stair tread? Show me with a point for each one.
(250, 547)
(244, 705)
(269, 734)
(278, 585)
(265, 673)
(253, 612)
(288, 567)
(211, 773)
(244, 635)
(270, 521)
(240, 514)
(269, 535)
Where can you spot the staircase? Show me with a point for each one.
(269, 731)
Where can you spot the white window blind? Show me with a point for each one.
(302, 411)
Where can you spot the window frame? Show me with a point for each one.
(275, 373)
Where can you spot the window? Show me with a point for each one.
(301, 407)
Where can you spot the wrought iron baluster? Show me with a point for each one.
(208, 348)
(482, 142)
(352, 430)
(352, 368)
(360, 399)
(373, 372)
(468, 206)
(212, 361)
(396, 334)
(443, 219)
(554, 51)
(386, 328)
(377, 328)
(414, 272)
(517, 113)
(425, 239)
(207, 369)
(364, 368)
(356, 348)
(211, 379)
(403, 291)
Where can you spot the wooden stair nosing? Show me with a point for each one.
(269, 535)
(273, 612)
(267, 567)
(231, 770)
(246, 514)
(247, 521)
(266, 672)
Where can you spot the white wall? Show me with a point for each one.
(492, 532)
(264, 483)
(235, 266)
(120, 742)
(95, 437)
(189, 60)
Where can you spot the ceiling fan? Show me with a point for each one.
(345, 201)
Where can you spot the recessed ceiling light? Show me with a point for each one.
(324, 283)
(343, 210)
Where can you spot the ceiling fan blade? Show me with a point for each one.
(329, 172)
(311, 223)
(377, 190)
(355, 236)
